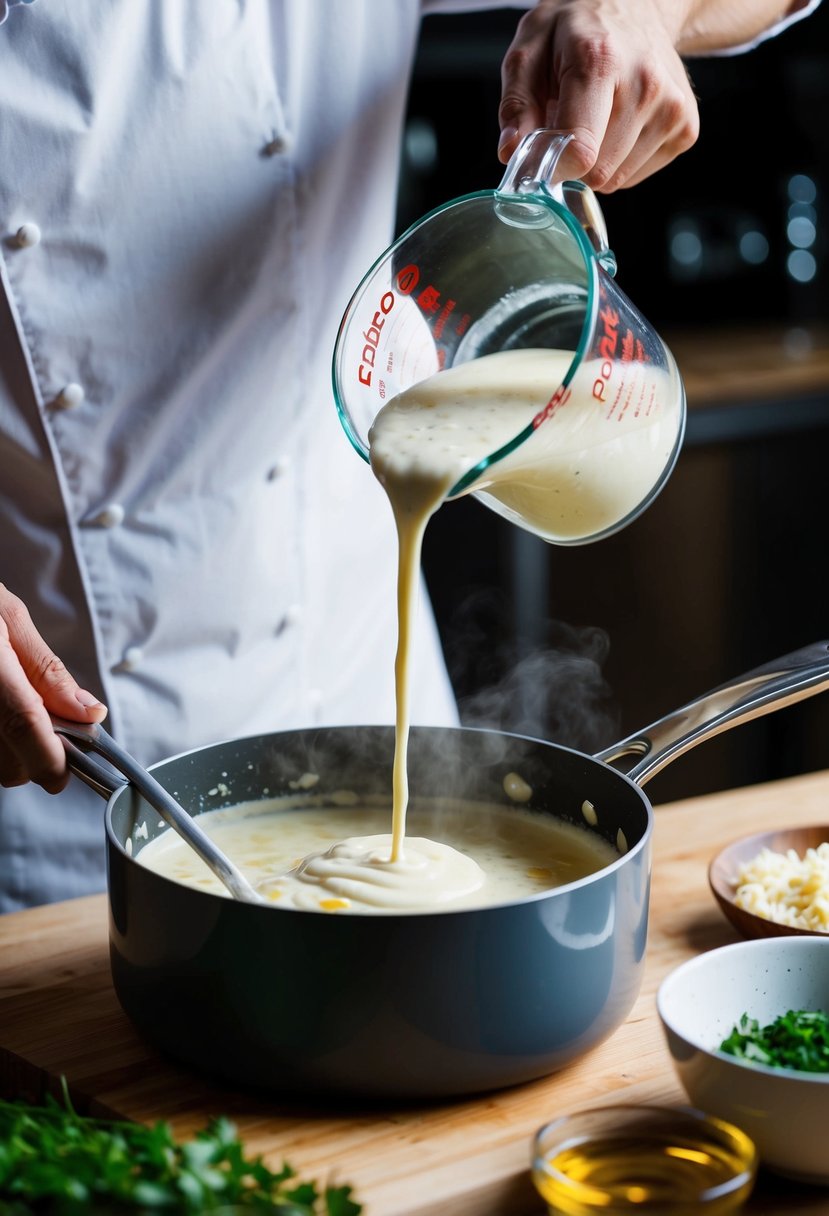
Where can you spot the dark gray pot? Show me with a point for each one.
(401, 1006)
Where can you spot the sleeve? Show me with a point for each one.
(797, 10)
(5, 5)
(467, 6)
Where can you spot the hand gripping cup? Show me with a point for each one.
(510, 291)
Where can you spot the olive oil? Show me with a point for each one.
(666, 1169)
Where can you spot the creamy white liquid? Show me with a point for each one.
(584, 469)
(336, 859)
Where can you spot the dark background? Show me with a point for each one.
(727, 569)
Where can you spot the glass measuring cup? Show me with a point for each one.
(597, 412)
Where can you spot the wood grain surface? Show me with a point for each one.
(741, 365)
(59, 1015)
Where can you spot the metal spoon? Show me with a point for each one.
(79, 739)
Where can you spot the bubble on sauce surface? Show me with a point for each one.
(589, 812)
(306, 782)
(516, 788)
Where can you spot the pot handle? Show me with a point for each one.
(786, 680)
(80, 738)
(101, 778)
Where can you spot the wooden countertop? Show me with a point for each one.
(59, 1015)
(740, 365)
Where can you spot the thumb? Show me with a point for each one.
(60, 692)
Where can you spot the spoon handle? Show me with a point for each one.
(80, 738)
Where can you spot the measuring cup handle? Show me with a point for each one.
(581, 202)
(533, 163)
(532, 169)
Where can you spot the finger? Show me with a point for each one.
(31, 749)
(524, 72)
(617, 163)
(584, 106)
(653, 153)
(658, 161)
(32, 681)
(60, 692)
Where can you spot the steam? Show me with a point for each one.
(556, 692)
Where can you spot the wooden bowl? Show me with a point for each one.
(722, 877)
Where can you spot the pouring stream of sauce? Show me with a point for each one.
(580, 473)
(576, 476)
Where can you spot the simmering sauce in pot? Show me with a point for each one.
(337, 859)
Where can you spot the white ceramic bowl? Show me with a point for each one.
(785, 1112)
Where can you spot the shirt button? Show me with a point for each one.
(27, 235)
(314, 699)
(70, 396)
(278, 144)
(110, 516)
(133, 657)
(279, 468)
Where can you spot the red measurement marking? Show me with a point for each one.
(429, 299)
(407, 279)
(371, 338)
(560, 397)
(445, 313)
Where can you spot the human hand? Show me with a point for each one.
(609, 73)
(33, 684)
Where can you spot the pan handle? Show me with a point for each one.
(782, 682)
(80, 738)
(102, 778)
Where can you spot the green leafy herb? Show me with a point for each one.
(795, 1040)
(52, 1157)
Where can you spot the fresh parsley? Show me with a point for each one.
(52, 1158)
(797, 1039)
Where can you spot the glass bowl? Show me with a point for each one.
(618, 1160)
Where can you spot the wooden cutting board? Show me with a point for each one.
(59, 1015)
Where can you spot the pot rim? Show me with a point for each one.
(642, 844)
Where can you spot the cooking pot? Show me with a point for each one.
(398, 1006)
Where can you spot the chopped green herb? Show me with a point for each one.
(798, 1039)
(52, 1157)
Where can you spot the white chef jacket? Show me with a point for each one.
(189, 192)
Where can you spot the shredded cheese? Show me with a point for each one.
(786, 888)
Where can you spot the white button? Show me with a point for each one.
(133, 657)
(27, 235)
(69, 396)
(279, 468)
(278, 144)
(110, 516)
(314, 698)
